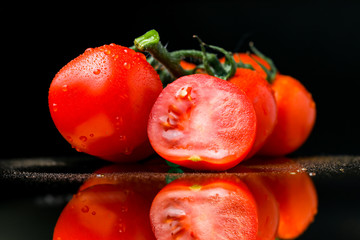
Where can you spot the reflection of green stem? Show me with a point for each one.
(170, 178)
(150, 42)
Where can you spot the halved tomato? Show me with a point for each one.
(202, 122)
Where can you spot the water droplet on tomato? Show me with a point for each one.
(54, 107)
(125, 50)
(69, 138)
(97, 71)
(127, 65)
(93, 213)
(116, 56)
(127, 151)
(107, 52)
(83, 138)
(91, 135)
(122, 227)
(124, 209)
(78, 149)
(85, 209)
(141, 55)
(122, 138)
(88, 50)
(65, 88)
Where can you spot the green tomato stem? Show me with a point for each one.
(150, 42)
(271, 73)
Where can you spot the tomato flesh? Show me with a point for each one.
(202, 122)
(213, 209)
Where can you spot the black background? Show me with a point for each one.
(315, 41)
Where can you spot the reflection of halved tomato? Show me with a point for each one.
(204, 209)
(105, 212)
(202, 122)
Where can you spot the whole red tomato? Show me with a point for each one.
(295, 117)
(101, 100)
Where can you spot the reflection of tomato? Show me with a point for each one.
(296, 195)
(202, 122)
(105, 212)
(100, 102)
(204, 209)
(267, 207)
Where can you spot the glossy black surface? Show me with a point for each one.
(34, 192)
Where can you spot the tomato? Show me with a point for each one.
(261, 95)
(202, 122)
(253, 60)
(206, 208)
(105, 212)
(295, 117)
(101, 100)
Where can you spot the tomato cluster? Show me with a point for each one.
(243, 204)
(110, 102)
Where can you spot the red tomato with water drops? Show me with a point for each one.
(101, 100)
(105, 212)
(202, 122)
(208, 208)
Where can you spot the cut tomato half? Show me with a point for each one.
(202, 122)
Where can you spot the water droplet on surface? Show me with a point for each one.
(122, 138)
(107, 52)
(88, 50)
(85, 209)
(65, 88)
(127, 65)
(125, 50)
(93, 213)
(91, 135)
(83, 138)
(97, 71)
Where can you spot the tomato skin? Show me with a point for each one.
(261, 95)
(100, 102)
(202, 122)
(105, 212)
(295, 117)
(207, 208)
